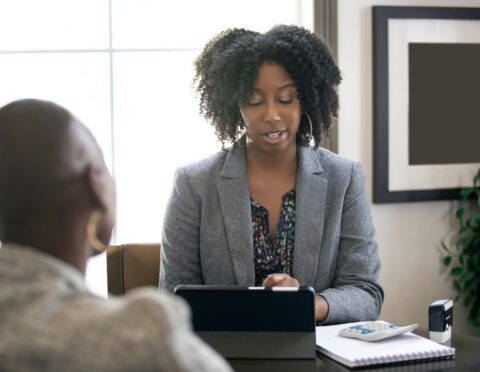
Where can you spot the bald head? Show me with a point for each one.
(44, 151)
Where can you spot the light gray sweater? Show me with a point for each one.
(50, 322)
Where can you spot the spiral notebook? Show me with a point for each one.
(357, 353)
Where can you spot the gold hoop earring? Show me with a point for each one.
(311, 126)
(238, 135)
(93, 220)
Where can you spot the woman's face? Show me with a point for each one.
(272, 113)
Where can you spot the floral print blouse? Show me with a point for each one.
(273, 255)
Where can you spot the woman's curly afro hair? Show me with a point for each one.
(227, 69)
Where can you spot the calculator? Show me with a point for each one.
(377, 330)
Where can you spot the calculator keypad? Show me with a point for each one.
(377, 330)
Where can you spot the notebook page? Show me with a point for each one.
(404, 347)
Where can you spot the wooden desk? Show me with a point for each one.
(467, 358)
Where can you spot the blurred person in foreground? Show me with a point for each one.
(57, 205)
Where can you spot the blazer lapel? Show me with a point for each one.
(311, 191)
(234, 197)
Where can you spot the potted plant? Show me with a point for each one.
(464, 257)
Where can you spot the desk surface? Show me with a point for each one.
(467, 358)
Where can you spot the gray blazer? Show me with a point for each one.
(208, 239)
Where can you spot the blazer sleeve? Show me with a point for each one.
(356, 294)
(180, 256)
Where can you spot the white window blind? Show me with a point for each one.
(125, 68)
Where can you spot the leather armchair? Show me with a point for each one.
(132, 265)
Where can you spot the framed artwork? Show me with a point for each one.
(426, 95)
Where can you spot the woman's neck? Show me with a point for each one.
(284, 162)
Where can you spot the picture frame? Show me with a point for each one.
(395, 31)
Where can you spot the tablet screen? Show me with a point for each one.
(247, 310)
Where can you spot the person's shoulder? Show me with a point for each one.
(162, 307)
(206, 167)
(168, 332)
(155, 326)
(337, 169)
(142, 313)
(330, 160)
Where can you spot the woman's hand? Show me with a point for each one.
(285, 280)
(321, 308)
(280, 280)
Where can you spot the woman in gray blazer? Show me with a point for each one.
(271, 209)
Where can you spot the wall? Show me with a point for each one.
(408, 234)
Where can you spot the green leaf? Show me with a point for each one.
(476, 241)
(457, 286)
(471, 241)
(447, 260)
(476, 179)
(460, 212)
(456, 271)
(469, 284)
(460, 259)
(473, 322)
(468, 301)
(465, 193)
(465, 241)
(469, 275)
(470, 265)
(475, 311)
(470, 223)
(476, 261)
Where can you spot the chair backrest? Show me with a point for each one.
(132, 265)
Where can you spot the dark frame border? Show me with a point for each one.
(381, 15)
